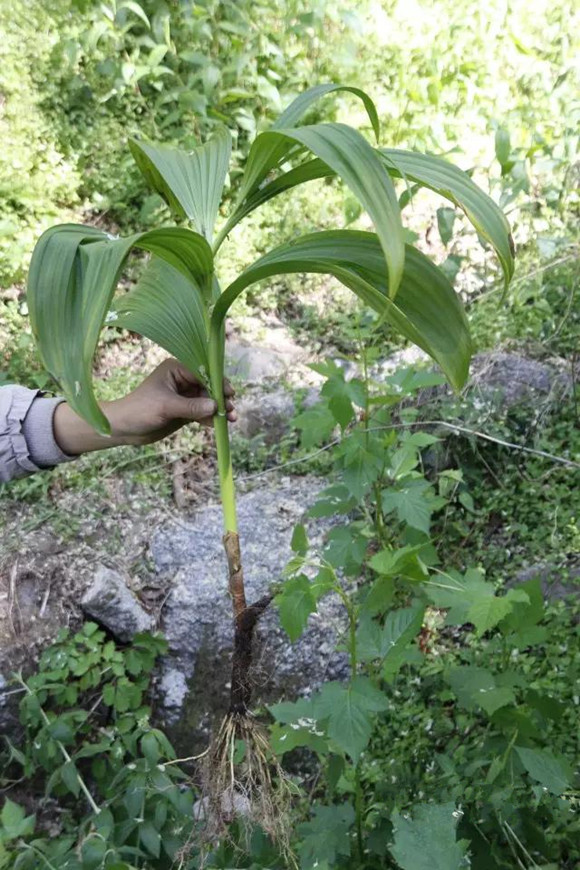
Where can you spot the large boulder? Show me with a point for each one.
(194, 681)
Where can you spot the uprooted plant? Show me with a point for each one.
(179, 302)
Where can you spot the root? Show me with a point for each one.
(242, 781)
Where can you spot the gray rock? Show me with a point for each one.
(269, 414)
(557, 582)
(112, 604)
(197, 614)
(9, 698)
(514, 377)
(258, 364)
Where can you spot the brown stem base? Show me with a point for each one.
(241, 690)
(245, 619)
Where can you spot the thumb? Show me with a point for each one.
(195, 410)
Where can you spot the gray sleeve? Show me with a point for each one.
(27, 442)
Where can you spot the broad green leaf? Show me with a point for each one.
(167, 307)
(428, 841)
(297, 108)
(295, 604)
(423, 169)
(70, 777)
(551, 772)
(476, 686)
(285, 738)
(376, 641)
(15, 821)
(190, 182)
(73, 275)
(411, 504)
(299, 542)
(503, 146)
(351, 157)
(445, 221)
(345, 548)
(426, 311)
(151, 838)
(326, 837)
(454, 184)
(347, 709)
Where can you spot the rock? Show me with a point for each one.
(109, 601)
(197, 613)
(557, 582)
(269, 414)
(513, 377)
(9, 699)
(256, 364)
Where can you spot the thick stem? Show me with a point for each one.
(245, 618)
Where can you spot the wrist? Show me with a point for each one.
(75, 436)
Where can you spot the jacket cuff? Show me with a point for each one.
(38, 432)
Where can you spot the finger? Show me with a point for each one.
(229, 405)
(183, 408)
(228, 389)
(232, 416)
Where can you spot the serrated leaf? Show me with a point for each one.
(428, 840)
(551, 772)
(376, 641)
(411, 504)
(295, 604)
(347, 709)
(326, 836)
(15, 821)
(475, 686)
(299, 542)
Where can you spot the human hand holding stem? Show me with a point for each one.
(166, 400)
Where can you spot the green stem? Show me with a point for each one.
(222, 438)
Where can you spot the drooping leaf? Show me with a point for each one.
(427, 311)
(167, 307)
(190, 182)
(351, 157)
(454, 184)
(73, 275)
(424, 170)
(298, 107)
(428, 840)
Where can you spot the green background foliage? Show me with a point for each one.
(460, 716)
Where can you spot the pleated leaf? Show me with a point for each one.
(190, 182)
(73, 275)
(433, 172)
(298, 107)
(167, 307)
(426, 310)
(350, 156)
(455, 185)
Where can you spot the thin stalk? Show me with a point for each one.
(95, 808)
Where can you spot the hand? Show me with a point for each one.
(167, 399)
